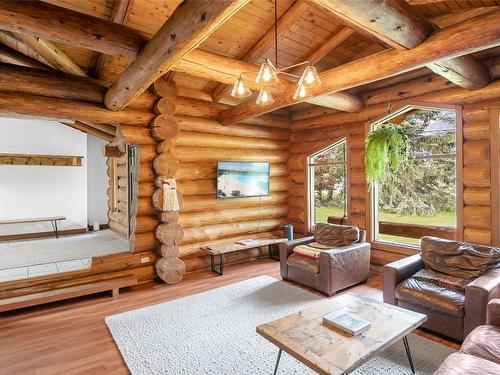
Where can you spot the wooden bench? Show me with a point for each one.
(228, 247)
(52, 219)
(39, 298)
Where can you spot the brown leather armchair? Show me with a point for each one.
(454, 306)
(334, 270)
(480, 352)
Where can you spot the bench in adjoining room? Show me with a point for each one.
(52, 219)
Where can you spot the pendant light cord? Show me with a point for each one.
(276, 33)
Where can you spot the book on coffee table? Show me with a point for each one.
(347, 322)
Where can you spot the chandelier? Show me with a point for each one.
(269, 74)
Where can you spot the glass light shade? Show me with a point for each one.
(301, 92)
(267, 74)
(310, 77)
(265, 97)
(240, 90)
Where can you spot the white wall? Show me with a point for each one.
(97, 181)
(39, 191)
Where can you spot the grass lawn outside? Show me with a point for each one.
(445, 219)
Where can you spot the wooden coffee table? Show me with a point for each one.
(330, 351)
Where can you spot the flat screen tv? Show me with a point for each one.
(237, 179)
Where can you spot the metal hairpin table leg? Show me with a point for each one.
(277, 362)
(408, 354)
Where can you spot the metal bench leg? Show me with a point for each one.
(219, 271)
(54, 228)
(277, 362)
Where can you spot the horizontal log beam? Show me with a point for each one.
(402, 27)
(89, 130)
(60, 85)
(66, 26)
(394, 22)
(468, 37)
(454, 95)
(226, 70)
(191, 23)
(32, 106)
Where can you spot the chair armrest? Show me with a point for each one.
(398, 271)
(493, 312)
(477, 295)
(286, 249)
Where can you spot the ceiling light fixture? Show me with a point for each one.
(268, 75)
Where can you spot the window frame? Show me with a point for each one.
(311, 216)
(372, 211)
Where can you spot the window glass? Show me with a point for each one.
(423, 193)
(327, 183)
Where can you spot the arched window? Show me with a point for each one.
(327, 171)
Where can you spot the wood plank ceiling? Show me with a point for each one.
(311, 30)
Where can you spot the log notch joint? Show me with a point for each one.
(164, 129)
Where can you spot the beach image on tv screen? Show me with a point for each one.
(242, 179)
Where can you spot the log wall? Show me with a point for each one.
(201, 142)
(477, 175)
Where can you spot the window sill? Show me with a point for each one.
(395, 248)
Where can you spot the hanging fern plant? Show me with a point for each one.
(386, 152)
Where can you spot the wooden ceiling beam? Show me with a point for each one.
(51, 53)
(189, 25)
(55, 84)
(66, 26)
(458, 16)
(393, 22)
(465, 38)
(119, 15)
(35, 106)
(286, 20)
(77, 125)
(332, 43)
(105, 128)
(403, 27)
(226, 70)
(11, 56)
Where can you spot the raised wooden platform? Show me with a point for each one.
(39, 298)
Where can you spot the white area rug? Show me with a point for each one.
(88, 245)
(214, 333)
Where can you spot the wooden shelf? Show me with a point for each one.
(47, 160)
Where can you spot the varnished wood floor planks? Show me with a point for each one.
(71, 337)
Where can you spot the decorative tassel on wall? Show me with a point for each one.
(170, 200)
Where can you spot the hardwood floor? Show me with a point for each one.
(71, 337)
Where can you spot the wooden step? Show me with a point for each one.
(34, 299)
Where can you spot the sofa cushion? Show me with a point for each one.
(456, 284)
(311, 250)
(431, 296)
(464, 364)
(303, 263)
(459, 259)
(483, 342)
(334, 235)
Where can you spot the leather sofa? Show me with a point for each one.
(480, 352)
(335, 269)
(449, 281)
